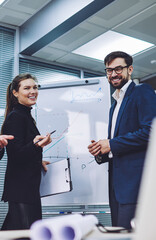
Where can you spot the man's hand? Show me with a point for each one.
(94, 148)
(100, 147)
(4, 140)
(105, 147)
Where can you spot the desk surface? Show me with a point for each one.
(13, 234)
(97, 235)
(94, 235)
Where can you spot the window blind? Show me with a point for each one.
(6, 75)
(47, 73)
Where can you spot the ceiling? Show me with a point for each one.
(135, 18)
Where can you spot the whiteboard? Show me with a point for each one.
(78, 114)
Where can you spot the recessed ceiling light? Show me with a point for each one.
(153, 61)
(1, 1)
(110, 41)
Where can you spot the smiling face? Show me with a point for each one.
(27, 93)
(118, 80)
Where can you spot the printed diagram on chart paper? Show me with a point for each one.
(70, 125)
(78, 114)
(86, 96)
(60, 146)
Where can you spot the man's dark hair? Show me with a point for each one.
(118, 54)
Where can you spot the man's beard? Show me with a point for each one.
(122, 83)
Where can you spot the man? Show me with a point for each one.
(130, 120)
(3, 142)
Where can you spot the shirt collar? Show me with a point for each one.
(122, 91)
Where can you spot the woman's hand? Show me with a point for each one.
(44, 165)
(4, 140)
(42, 141)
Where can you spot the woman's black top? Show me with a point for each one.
(1, 153)
(23, 173)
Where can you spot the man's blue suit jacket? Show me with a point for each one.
(130, 140)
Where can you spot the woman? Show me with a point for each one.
(23, 173)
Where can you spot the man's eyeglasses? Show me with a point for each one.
(117, 70)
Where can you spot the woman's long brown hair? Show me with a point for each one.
(11, 100)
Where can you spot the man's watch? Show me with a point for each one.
(98, 158)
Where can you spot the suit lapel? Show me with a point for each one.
(110, 118)
(123, 105)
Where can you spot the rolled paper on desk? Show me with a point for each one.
(49, 229)
(69, 227)
(78, 229)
